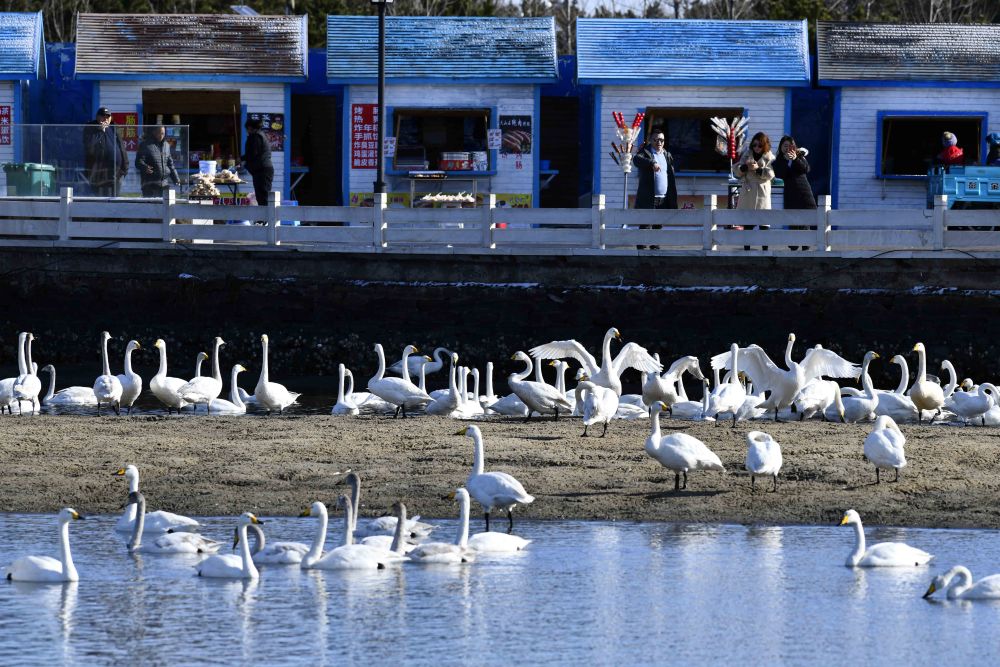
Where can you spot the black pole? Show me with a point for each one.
(379, 149)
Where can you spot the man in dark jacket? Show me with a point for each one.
(155, 165)
(657, 183)
(257, 160)
(104, 155)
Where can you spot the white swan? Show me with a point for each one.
(600, 405)
(344, 405)
(896, 403)
(663, 387)
(69, 395)
(784, 385)
(883, 554)
(539, 397)
(679, 452)
(166, 543)
(228, 566)
(348, 556)
(165, 387)
(926, 395)
(968, 405)
(45, 569)
(447, 552)
(763, 456)
(468, 407)
(396, 543)
(414, 364)
(156, 522)
(884, 446)
(271, 395)
(445, 402)
(7, 384)
(821, 397)
(130, 380)
(383, 525)
(400, 392)
(691, 410)
(235, 405)
(493, 489)
(201, 390)
(729, 397)
(608, 373)
(272, 553)
(199, 359)
(489, 398)
(958, 584)
(863, 408)
(28, 386)
(107, 387)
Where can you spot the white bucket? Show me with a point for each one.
(207, 167)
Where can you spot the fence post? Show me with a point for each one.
(823, 223)
(65, 201)
(489, 204)
(940, 211)
(273, 204)
(597, 222)
(378, 220)
(708, 227)
(168, 214)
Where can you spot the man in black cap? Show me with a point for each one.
(105, 161)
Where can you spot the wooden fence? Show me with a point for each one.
(145, 223)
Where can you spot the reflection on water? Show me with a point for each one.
(582, 593)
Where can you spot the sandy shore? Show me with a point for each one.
(277, 466)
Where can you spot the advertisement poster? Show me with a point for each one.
(273, 125)
(5, 121)
(127, 128)
(513, 200)
(515, 132)
(364, 136)
(367, 199)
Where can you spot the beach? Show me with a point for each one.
(279, 465)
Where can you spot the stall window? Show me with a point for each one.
(423, 136)
(689, 134)
(908, 142)
(213, 116)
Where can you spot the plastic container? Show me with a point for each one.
(29, 179)
(207, 167)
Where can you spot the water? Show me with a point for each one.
(582, 593)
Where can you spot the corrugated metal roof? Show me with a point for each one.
(22, 45)
(692, 51)
(439, 47)
(213, 46)
(908, 52)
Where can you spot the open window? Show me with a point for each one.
(449, 139)
(213, 117)
(690, 138)
(908, 142)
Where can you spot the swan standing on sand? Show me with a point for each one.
(164, 387)
(763, 456)
(107, 387)
(155, 522)
(679, 452)
(819, 396)
(862, 408)
(729, 396)
(130, 380)
(959, 586)
(414, 364)
(691, 410)
(235, 405)
(28, 385)
(228, 566)
(447, 401)
(663, 388)
(883, 554)
(398, 391)
(45, 569)
(7, 384)
(600, 405)
(896, 403)
(926, 395)
(201, 390)
(69, 395)
(608, 372)
(446, 552)
(166, 543)
(884, 446)
(539, 397)
(344, 406)
(271, 395)
(493, 489)
(968, 405)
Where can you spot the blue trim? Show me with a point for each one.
(345, 149)
(243, 129)
(16, 120)
(835, 152)
(731, 83)
(286, 194)
(442, 80)
(536, 148)
(149, 76)
(494, 123)
(881, 115)
(304, 40)
(598, 145)
(841, 83)
(138, 112)
(788, 111)
(95, 100)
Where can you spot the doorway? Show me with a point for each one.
(317, 145)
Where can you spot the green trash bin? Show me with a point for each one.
(30, 179)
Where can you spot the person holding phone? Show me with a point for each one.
(754, 170)
(105, 161)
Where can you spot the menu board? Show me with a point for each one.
(5, 121)
(364, 136)
(273, 126)
(126, 124)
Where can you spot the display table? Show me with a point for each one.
(440, 178)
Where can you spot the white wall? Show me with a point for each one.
(515, 100)
(124, 96)
(858, 186)
(765, 106)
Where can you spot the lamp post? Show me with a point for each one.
(379, 185)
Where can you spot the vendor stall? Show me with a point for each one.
(208, 72)
(22, 60)
(462, 105)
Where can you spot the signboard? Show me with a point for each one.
(273, 125)
(494, 138)
(364, 135)
(389, 146)
(516, 135)
(5, 121)
(127, 128)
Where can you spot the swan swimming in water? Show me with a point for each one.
(883, 554)
(45, 569)
(958, 584)
(166, 543)
(68, 396)
(383, 525)
(228, 566)
(448, 552)
(272, 553)
(348, 556)
(156, 522)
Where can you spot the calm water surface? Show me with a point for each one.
(583, 593)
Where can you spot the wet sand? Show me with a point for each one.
(277, 466)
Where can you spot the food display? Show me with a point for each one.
(442, 198)
(227, 176)
(203, 185)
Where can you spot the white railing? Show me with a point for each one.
(91, 222)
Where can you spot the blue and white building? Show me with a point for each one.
(22, 60)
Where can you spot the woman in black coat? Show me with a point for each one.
(791, 166)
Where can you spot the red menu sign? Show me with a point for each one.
(364, 135)
(4, 125)
(127, 129)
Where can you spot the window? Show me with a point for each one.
(213, 116)
(424, 135)
(690, 137)
(908, 142)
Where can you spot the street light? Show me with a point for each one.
(380, 148)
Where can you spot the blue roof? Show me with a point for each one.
(22, 46)
(442, 49)
(692, 52)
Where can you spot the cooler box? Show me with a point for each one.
(30, 179)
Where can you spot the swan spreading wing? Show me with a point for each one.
(559, 349)
(822, 362)
(633, 355)
(765, 374)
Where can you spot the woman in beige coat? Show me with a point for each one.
(755, 172)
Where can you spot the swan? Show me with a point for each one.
(691, 410)
(167, 543)
(28, 385)
(201, 390)
(235, 405)
(896, 403)
(600, 405)
(763, 456)
(729, 396)
(493, 489)
(45, 569)
(348, 556)
(815, 397)
(447, 552)
(155, 522)
(383, 525)
(751, 406)
(444, 403)
(107, 387)
(862, 408)
(539, 397)
(164, 387)
(398, 391)
(395, 543)
(344, 405)
(974, 405)
(883, 554)
(7, 384)
(884, 446)
(468, 408)
(271, 395)
(199, 358)
(69, 395)
(926, 395)
(679, 452)
(272, 553)
(784, 385)
(130, 380)
(663, 387)
(228, 566)
(959, 586)
(489, 398)
(414, 364)
(608, 373)
(473, 406)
